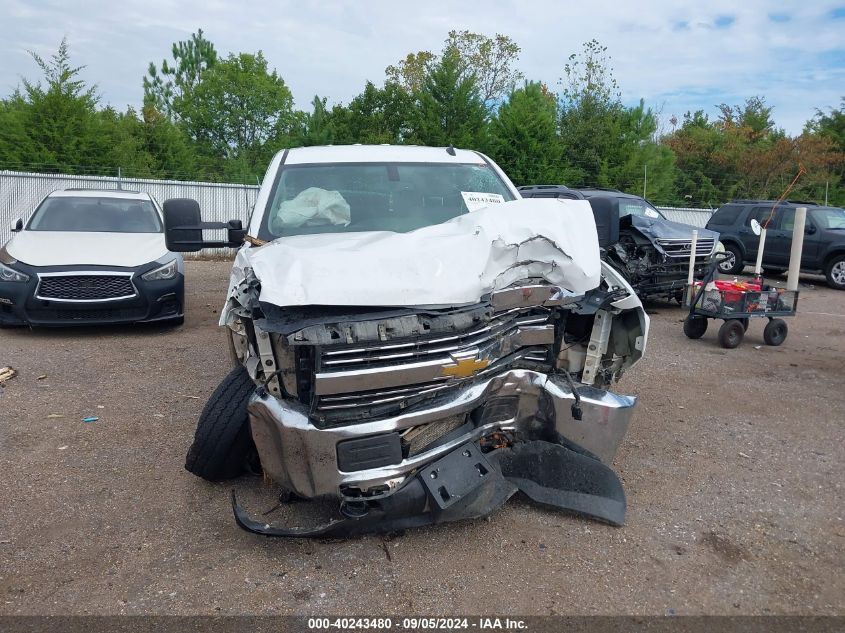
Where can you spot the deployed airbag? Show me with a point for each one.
(312, 206)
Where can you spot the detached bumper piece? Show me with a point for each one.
(467, 484)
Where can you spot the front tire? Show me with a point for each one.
(732, 263)
(835, 272)
(223, 442)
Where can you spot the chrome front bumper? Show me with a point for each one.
(303, 458)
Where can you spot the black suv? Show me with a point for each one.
(637, 240)
(824, 237)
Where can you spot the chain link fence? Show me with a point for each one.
(20, 193)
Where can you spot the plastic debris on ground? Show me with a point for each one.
(90, 418)
(7, 373)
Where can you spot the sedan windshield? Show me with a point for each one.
(397, 197)
(95, 215)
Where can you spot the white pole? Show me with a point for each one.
(758, 267)
(797, 248)
(645, 178)
(691, 274)
(826, 183)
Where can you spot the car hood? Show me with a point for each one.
(658, 228)
(449, 264)
(68, 248)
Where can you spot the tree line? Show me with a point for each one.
(213, 118)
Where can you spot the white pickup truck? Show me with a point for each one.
(414, 339)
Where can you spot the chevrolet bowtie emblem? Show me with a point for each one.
(465, 367)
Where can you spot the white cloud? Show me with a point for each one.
(331, 49)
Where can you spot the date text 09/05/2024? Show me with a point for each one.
(416, 624)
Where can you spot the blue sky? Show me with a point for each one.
(678, 56)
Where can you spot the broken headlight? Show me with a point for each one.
(10, 274)
(168, 271)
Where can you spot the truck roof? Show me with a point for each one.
(380, 154)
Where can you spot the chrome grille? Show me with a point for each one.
(85, 287)
(681, 247)
(399, 373)
(415, 351)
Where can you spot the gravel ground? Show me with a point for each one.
(733, 469)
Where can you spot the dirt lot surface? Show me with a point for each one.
(733, 468)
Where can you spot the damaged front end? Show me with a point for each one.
(654, 254)
(411, 416)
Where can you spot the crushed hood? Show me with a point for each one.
(658, 228)
(70, 248)
(453, 263)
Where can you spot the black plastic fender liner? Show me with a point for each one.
(547, 472)
(556, 476)
(413, 505)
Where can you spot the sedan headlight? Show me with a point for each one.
(168, 271)
(10, 274)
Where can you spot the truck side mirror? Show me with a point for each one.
(183, 227)
(809, 229)
(606, 214)
(17, 227)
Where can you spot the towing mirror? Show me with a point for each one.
(606, 214)
(17, 227)
(183, 227)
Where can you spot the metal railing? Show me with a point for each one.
(685, 215)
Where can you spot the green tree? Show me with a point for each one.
(167, 88)
(377, 115)
(317, 125)
(59, 117)
(490, 61)
(240, 113)
(523, 136)
(604, 143)
(449, 107)
(830, 128)
(410, 72)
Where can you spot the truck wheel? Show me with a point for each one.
(731, 333)
(835, 272)
(732, 263)
(695, 326)
(775, 332)
(223, 443)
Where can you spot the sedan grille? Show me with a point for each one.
(681, 248)
(85, 287)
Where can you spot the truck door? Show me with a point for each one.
(779, 241)
(749, 239)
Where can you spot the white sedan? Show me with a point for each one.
(88, 257)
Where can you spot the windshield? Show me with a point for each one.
(397, 197)
(829, 218)
(631, 206)
(95, 215)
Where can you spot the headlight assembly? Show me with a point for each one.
(10, 274)
(168, 271)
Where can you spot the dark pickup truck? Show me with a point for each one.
(637, 240)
